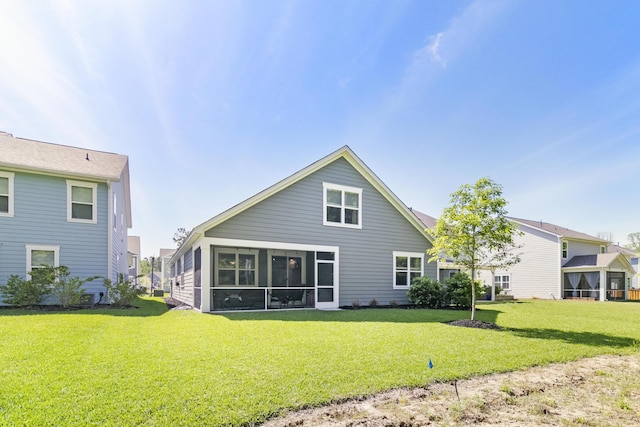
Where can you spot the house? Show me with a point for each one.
(328, 236)
(62, 205)
(133, 253)
(556, 262)
(165, 256)
(632, 258)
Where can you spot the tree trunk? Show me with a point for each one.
(473, 293)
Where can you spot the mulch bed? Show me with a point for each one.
(468, 323)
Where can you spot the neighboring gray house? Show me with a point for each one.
(133, 245)
(557, 262)
(63, 205)
(325, 237)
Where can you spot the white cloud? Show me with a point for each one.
(446, 46)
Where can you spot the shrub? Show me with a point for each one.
(20, 292)
(457, 290)
(426, 292)
(123, 292)
(393, 303)
(373, 302)
(355, 303)
(67, 291)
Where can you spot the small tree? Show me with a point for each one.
(474, 231)
(634, 241)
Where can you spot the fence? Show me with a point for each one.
(634, 295)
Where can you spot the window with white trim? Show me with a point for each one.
(235, 267)
(39, 256)
(502, 281)
(565, 249)
(342, 206)
(406, 267)
(603, 249)
(82, 201)
(6, 193)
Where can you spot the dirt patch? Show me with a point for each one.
(599, 391)
(174, 304)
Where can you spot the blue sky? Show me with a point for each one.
(213, 101)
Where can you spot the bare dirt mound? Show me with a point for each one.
(599, 391)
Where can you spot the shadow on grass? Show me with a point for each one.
(374, 315)
(586, 338)
(142, 307)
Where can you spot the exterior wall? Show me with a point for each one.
(577, 247)
(295, 215)
(538, 272)
(184, 292)
(118, 224)
(40, 218)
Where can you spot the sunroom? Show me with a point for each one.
(263, 276)
(602, 277)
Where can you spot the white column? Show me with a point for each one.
(205, 282)
(603, 285)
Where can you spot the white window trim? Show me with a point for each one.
(343, 188)
(502, 276)
(56, 254)
(237, 252)
(562, 250)
(409, 255)
(603, 249)
(94, 210)
(10, 176)
(293, 254)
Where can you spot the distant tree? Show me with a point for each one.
(180, 236)
(474, 231)
(634, 241)
(605, 235)
(145, 265)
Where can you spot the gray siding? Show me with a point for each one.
(40, 218)
(295, 215)
(184, 292)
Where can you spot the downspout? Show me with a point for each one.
(109, 231)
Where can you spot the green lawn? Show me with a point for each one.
(150, 366)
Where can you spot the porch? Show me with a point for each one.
(588, 285)
(269, 276)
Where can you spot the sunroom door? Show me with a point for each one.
(326, 280)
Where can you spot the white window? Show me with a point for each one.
(406, 267)
(39, 256)
(6, 193)
(603, 249)
(504, 282)
(342, 206)
(236, 267)
(82, 202)
(565, 250)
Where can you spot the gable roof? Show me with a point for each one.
(597, 260)
(344, 153)
(62, 160)
(27, 154)
(559, 231)
(621, 249)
